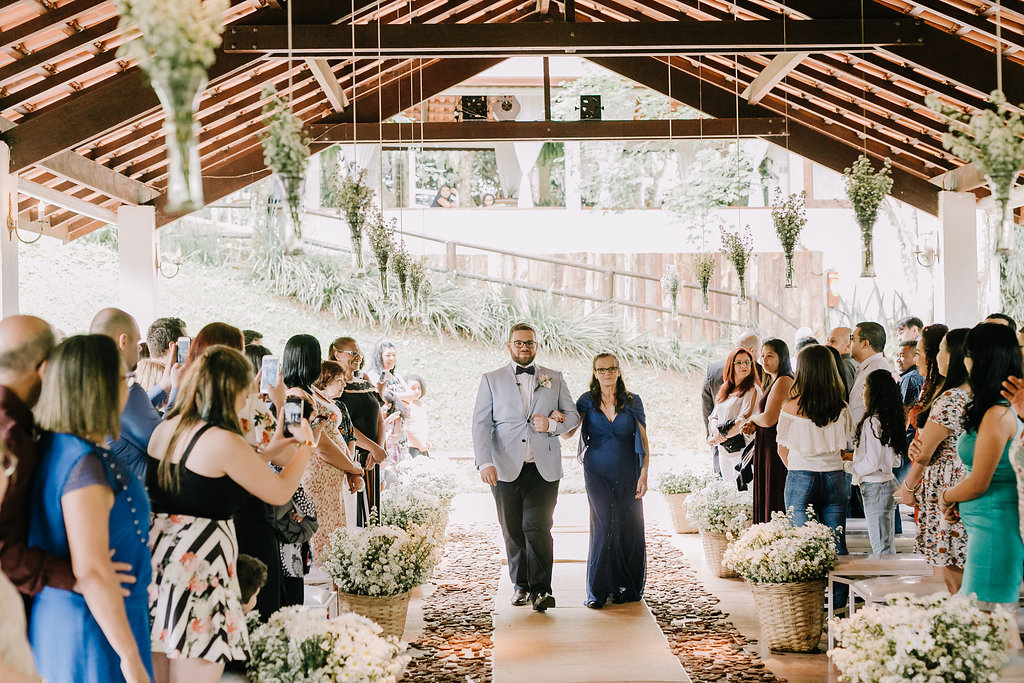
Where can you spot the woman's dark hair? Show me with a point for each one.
(956, 373)
(409, 379)
(781, 349)
(214, 334)
(995, 355)
(622, 397)
(885, 401)
(729, 385)
(931, 337)
(818, 388)
(255, 353)
(838, 358)
(300, 365)
(377, 358)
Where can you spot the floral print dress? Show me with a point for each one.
(942, 543)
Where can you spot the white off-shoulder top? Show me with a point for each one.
(813, 448)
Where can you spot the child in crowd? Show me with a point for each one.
(252, 575)
(416, 427)
(881, 442)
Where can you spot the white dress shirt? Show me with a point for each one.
(875, 362)
(527, 385)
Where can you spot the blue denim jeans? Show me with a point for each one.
(901, 475)
(828, 494)
(880, 511)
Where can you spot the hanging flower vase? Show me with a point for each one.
(1001, 186)
(292, 187)
(789, 272)
(180, 102)
(706, 298)
(742, 299)
(867, 268)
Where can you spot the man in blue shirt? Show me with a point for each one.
(139, 418)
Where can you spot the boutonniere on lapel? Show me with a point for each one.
(543, 382)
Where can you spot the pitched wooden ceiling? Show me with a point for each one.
(64, 91)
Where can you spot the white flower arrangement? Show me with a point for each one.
(779, 552)
(679, 480)
(718, 508)
(381, 561)
(703, 269)
(789, 217)
(413, 509)
(670, 284)
(285, 150)
(932, 639)
(303, 646)
(738, 247)
(432, 475)
(866, 189)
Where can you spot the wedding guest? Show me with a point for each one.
(838, 358)
(769, 471)
(202, 471)
(1001, 319)
(713, 382)
(937, 466)
(419, 434)
(487, 200)
(148, 373)
(363, 404)
(395, 393)
(443, 198)
(85, 504)
(252, 576)
(613, 429)
(139, 418)
(880, 441)
(333, 475)
(736, 401)
(814, 428)
(162, 341)
(25, 344)
(986, 499)
(909, 328)
(911, 379)
(867, 345)
(840, 339)
(252, 337)
(214, 334)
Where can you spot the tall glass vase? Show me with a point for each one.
(867, 235)
(1001, 186)
(705, 295)
(789, 272)
(292, 186)
(742, 299)
(179, 99)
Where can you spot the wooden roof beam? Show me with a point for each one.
(961, 179)
(321, 70)
(73, 204)
(777, 69)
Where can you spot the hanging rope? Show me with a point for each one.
(999, 45)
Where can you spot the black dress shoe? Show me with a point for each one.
(542, 601)
(593, 604)
(520, 598)
(618, 597)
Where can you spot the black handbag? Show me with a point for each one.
(745, 468)
(733, 444)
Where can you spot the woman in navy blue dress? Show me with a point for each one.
(615, 471)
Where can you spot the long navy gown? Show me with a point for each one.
(617, 564)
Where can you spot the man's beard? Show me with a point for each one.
(515, 359)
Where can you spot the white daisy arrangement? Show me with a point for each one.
(380, 561)
(302, 646)
(930, 639)
(433, 475)
(682, 480)
(779, 552)
(718, 508)
(413, 509)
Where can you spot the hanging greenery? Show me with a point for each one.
(418, 281)
(993, 140)
(738, 247)
(670, 285)
(401, 261)
(866, 189)
(351, 195)
(789, 217)
(703, 269)
(286, 153)
(176, 47)
(380, 234)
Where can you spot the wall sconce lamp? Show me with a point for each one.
(175, 259)
(926, 252)
(39, 223)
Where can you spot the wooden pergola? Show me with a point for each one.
(83, 124)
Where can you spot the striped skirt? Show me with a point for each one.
(194, 600)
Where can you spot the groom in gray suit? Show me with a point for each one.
(518, 455)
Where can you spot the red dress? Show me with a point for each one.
(769, 471)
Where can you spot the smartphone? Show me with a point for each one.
(269, 373)
(293, 410)
(183, 344)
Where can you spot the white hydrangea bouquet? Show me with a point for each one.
(718, 508)
(381, 561)
(932, 639)
(412, 509)
(779, 552)
(433, 475)
(304, 646)
(681, 480)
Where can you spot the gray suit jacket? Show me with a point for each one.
(502, 428)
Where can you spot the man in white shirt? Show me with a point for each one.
(839, 339)
(866, 347)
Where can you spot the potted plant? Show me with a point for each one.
(381, 237)
(991, 139)
(866, 189)
(670, 284)
(789, 219)
(352, 196)
(303, 645)
(703, 269)
(176, 47)
(675, 486)
(720, 513)
(940, 637)
(738, 247)
(375, 568)
(786, 567)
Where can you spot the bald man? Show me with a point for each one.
(713, 382)
(139, 418)
(25, 344)
(840, 339)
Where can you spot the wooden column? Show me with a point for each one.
(956, 275)
(137, 253)
(9, 296)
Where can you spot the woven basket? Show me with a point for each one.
(680, 522)
(714, 548)
(791, 614)
(389, 611)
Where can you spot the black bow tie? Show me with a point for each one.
(529, 370)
